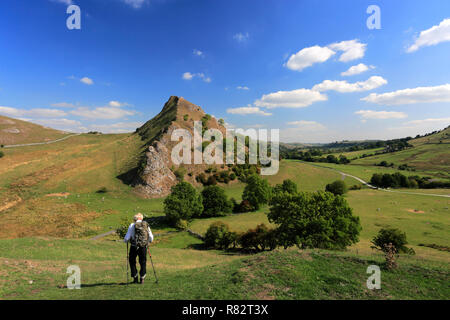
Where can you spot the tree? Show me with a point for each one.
(314, 220)
(337, 187)
(257, 191)
(392, 236)
(215, 202)
(183, 203)
(288, 186)
(218, 236)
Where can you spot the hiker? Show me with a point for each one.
(139, 235)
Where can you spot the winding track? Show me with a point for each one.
(375, 188)
(41, 143)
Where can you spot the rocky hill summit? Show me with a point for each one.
(156, 173)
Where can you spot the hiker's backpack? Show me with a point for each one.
(141, 235)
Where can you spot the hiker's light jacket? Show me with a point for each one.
(131, 233)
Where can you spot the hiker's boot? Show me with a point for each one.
(135, 280)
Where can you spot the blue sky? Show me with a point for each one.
(313, 69)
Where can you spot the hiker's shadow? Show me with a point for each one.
(99, 285)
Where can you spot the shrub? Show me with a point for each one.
(2, 154)
(356, 187)
(288, 186)
(180, 173)
(211, 181)
(181, 224)
(201, 178)
(218, 236)
(186, 117)
(232, 176)
(314, 220)
(257, 191)
(183, 203)
(122, 229)
(258, 239)
(337, 187)
(392, 236)
(242, 207)
(215, 202)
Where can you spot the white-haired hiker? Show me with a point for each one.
(139, 235)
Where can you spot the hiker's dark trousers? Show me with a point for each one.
(142, 254)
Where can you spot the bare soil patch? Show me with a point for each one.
(415, 211)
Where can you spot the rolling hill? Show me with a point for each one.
(14, 131)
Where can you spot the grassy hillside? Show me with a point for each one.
(14, 131)
(50, 208)
(186, 273)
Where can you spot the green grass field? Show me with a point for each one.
(50, 210)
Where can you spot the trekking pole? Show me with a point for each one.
(151, 260)
(127, 263)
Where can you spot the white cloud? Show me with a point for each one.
(344, 86)
(248, 110)
(371, 114)
(411, 96)
(353, 49)
(241, 37)
(290, 99)
(307, 125)
(63, 105)
(308, 56)
(66, 2)
(359, 68)
(87, 81)
(135, 3)
(190, 76)
(198, 53)
(428, 122)
(120, 127)
(242, 88)
(117, 104)
(38, 112)
(432, 36)
(102, 113)
(187, 76)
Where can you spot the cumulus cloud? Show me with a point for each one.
(241, 37)
(308, 56)
(38, 112)
(344, 86)
(411, 96)
(353, 49)
(248, 110)
(187, 76)
(242, 88)
(106, 112)
(371, 114)
(359, 68)
(87, 81)
(290, 99)
(432, 36)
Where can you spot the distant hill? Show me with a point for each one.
(14, 131)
